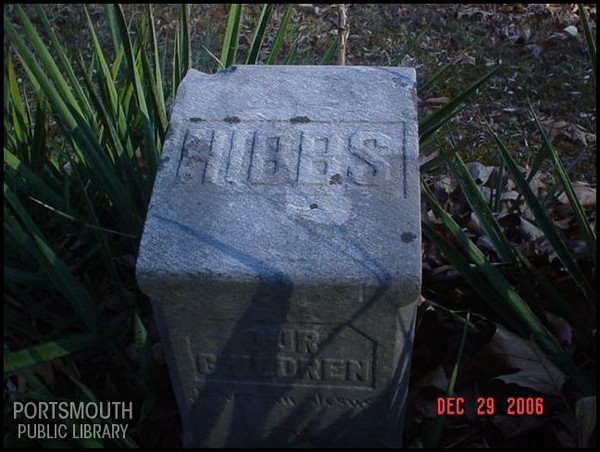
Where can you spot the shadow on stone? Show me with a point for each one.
(281, 252)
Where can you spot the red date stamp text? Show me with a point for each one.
(487, 406)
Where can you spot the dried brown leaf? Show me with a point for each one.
(444, 186)
(479, 172)
(467, 59)
(511, 426)
(139, 158)
(507, 351)
(556, 128)
(540, 183)
(560, 211)
(472, 11)
(424, 158)
(436, 100)
(571, 30)
(563, 223)
(484, 243)
(423, 404)
(585, 194)
(529, 230)
(561, 329)
(474, 225)
(579, 248)
(436, 377)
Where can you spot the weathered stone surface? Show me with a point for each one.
(282, 254)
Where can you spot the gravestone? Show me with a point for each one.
(281, 252)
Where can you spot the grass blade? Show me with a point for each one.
(502, 246)
(259, 33)
(38, 391)
(144, 351)
(434, 436)
(159, 117)
(38, 142)
(185, 49)
(436, 161)
(411, 44)
(149, 151)
(66, 65)
(181, 51)
(38, 75)
(590, 42)
(59, 273)
(48, 351)
(231, 38)
(497, 190)
(291, 58)
(517, 308)
(47, 60)
(157, 82)
(463, 266)
(281, 33)
(330, 52)
(113, 28)
(77, 129)
(431, 81)
(112, 100)
(122, 161)
(435, 120)
(33, 181)
(545, 224)
(176, 75)
(206, 59)
(19, 123)
(480, 207)
(584, 226)
(562, 306)
(24, 278)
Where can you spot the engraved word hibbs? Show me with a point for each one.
(303, 156)
(281, 252)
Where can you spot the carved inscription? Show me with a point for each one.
(280, 156)
(318, 400)
(285, 355)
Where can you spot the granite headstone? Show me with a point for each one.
(281, 252)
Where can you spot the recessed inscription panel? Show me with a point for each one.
(319, 399)
(299, 354)
(275, 153)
